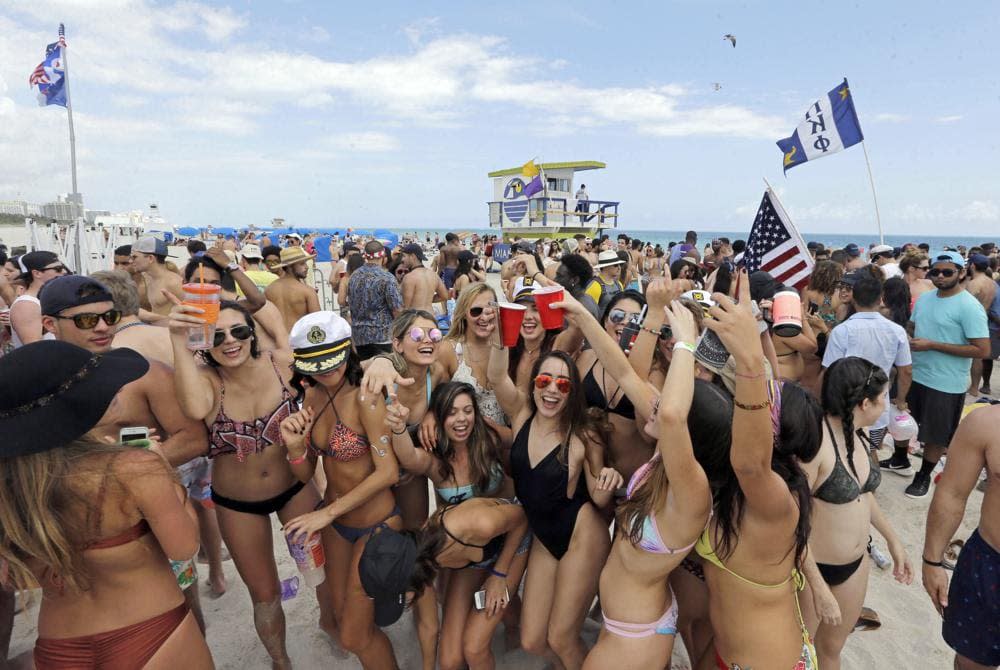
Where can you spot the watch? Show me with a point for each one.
(233, 267)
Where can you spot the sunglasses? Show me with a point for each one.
(942, 272)
(241, 332)
(562, 384)
(417, 334)
(88, 320)
(925, 268)
(619, 316)
(56, 268)
(476, 312)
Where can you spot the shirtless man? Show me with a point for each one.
(289, 293)
(149, 257)
(982, 287)
(150, 401)
(153, 342)
(448, 259)
(969, 606)
(421, 287)
(123, 261)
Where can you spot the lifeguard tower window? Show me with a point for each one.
(558, 184)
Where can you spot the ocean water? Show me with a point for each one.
(829, 240)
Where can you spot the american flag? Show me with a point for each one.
(776, 247)
(39, 76)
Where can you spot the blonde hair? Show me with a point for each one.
(41, 501)
(457, 331)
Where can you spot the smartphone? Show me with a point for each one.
(133, 434)
(480, 598)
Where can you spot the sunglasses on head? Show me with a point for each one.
(240, 332)
(417, 334)
(476, 312)
(942, 272)
(88, 320)
(562, 384)
(617, 316)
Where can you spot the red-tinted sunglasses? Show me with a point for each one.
(543, 380)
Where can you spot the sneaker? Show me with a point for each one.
(919, 488)
(901, 469)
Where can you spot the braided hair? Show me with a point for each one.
(846, 385)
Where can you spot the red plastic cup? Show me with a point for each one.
(552, 319)
(511, 316)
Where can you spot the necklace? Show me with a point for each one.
(129, 325)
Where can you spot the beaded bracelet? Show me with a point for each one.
(751, 408)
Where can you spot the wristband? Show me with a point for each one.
(751, 408)
(686, 346)
(497, 573)
(933, 564)
(399, 433)
(297, 461)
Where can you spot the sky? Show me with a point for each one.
(392, 113)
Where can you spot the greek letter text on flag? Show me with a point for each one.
(831, 124)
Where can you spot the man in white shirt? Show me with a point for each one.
(884, 257)
(582, 201)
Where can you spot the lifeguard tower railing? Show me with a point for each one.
(555, 212)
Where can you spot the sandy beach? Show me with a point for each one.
(910, 636)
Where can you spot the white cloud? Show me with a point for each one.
(364, 141)
(980, 211)
(129, 101)
(889, 117)
(417, 30)
(954, 118)
(216, 24)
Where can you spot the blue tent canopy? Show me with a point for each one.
(188, 231)
(224, 231)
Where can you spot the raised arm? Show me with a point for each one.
(753, 437)
(414, 460)
(659, 294)
(196, 398)
(512, 399)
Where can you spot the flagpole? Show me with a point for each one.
(793, 229)
(871, 180)
(69, 115)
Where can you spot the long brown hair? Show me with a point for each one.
(574, 419)
(41, 499)
(483, 444)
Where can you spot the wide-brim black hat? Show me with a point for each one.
(52, 393)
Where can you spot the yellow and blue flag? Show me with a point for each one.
(534, 186)
(830, 125)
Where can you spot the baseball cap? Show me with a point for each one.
(570, 246)
(880, 249)
(526, 247)
(852, 250)
(349, 245)
(981, 262)
(320, 343)
(251, 251)
(466, 255)
(414, 249)
(71, 291)
(851, 278)
(949, 257)
(385, 569)
(150, 245)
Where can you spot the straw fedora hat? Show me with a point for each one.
(293, 255)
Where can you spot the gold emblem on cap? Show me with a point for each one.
(316, 335)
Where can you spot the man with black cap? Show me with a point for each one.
(149, 257)
(421, 286)
(854, 259)
(947, 330)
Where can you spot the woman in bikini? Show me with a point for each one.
(629, 447)
(758, 533)
(914, 268)
(666, 510)
(558, 468)
(361, 468)
(243, 396)
(90, 523)
(466, 463)
(843, 482)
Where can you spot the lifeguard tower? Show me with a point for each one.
(552, 212)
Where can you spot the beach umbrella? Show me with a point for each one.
(188, 231)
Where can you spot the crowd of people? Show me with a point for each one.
(648, 450)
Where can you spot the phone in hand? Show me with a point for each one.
(480, 598)
(132, 434)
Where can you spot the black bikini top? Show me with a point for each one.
(491, 549)
(841, 487)
(594, 394)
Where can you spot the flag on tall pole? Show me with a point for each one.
(830, 125)
(776, 247)
(50, 75)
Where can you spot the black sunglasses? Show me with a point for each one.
(57, 268)
(943, 272)
(476, 312)
(240, 332)
(88, 320)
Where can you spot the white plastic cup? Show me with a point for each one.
(309, 559)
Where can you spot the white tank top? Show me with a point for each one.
(15, 340)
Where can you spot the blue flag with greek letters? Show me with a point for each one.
(831, 124)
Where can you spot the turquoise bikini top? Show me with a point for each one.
(456, 494)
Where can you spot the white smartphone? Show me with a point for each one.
(133, 434)
(480, 598)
